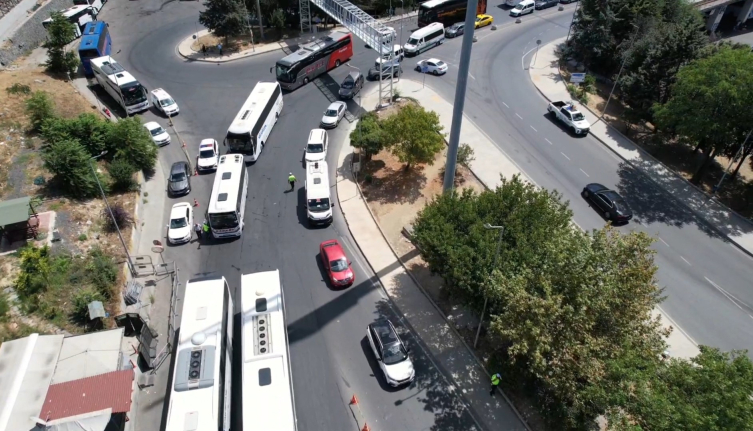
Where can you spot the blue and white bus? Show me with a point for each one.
(95, 42)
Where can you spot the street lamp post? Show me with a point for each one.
(501, 230)
(360, 108)
(109, 210)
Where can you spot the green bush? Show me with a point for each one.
(368, 135)
(129, 141)
(466, 155)
(69, 161)
(4, 307)
(39, 107)
(83, 237)
(81, 300)
(121, 173)
(119, 215)
(19, 89)
(102, 272)
(88, 129)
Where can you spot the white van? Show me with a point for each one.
(164, 103)
(316, 148)
(318, 200)
(522, 8)
(397, 56)
(425, 38)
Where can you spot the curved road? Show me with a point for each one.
(330, 357)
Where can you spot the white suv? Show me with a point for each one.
(164, 103)
(316, 148)
(391, 353)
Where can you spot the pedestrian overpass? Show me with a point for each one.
(362, 25)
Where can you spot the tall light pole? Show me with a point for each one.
(501, 230)
(457, 110)
(360, 109)
(109, 210)
(726, 171)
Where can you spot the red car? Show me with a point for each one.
(338, 266)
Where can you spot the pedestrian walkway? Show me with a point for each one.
(546, 77)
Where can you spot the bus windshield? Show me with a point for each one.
(133, 93)
(228, 220)
(426, 15)
(240, 140)
(283, 73)
(88, 53)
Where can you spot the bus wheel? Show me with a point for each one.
(305, 81)
(337, 63)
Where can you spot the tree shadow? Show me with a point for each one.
(389, 185)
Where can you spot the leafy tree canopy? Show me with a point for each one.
(224, 18)
(59, 33)
(413, 134)
(368, 135)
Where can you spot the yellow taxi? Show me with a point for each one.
(483, 20)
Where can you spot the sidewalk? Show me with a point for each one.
(184, 48)
(546, 77)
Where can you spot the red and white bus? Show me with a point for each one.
(313, 59)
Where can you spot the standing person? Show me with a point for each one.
(496, 378)
(205, 230)
(219, 48)
(291, 181)
(197, 229)
(204, 49)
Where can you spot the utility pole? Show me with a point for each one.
(501, 230)
(258, 12)
(457, 110)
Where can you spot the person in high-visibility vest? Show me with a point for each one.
(496, 378)
(205, 228)
(291, 180)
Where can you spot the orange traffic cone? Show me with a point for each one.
(195, 171)
(195, 203)
(353, 400)
(365, 428)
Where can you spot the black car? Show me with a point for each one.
(609, 202)
(567, 1)
(179, 182)
(455, 30)
(387, 70)
(543, 4)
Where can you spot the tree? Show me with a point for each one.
(130, 142)
(278, 20)
(39, 108)
(368, 135)
(69, 161)
(710, 103)
(413, 134)
(121, 172)
(224, 18)
(60, 33)
(89, 129)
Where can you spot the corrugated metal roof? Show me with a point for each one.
(14, 211)
(109, 390)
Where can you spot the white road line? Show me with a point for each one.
(584, 173)
(524, 56)
(568, 158)
(686, 261)
(534, 129)
(665, 242)
(550, 142)
(516, 114)
(506, 105)
(469, 74)
(725, 293)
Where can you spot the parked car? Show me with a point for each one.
(351, 85)
(391, 353)
(397, 56)
(544, 4)
(609, 202)
(386, 71)
(209, 155)
(181, 223)
(179, 182)
(334, 113)
(567, 1)
(164, 103)
(337, 265)
(434, 66)
(483, 20)
(454, 30)
(159, 135)
(522, 8)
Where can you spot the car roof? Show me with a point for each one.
(335, 105)
(434, 60)
(208, 141)
(333, 249)
(178, 166)
(353, 74)
(179, 209)
(152, 125)
(596, 187)
(385, 332)
(614, 196)
(160, 93)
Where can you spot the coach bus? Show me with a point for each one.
(121, 85)
(227, 204)
(447, 12)
(78, 15)
(252, 125)
(313, 59)
(95, 42)
(200, 395)
(268, 401)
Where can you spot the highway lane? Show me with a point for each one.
(706, 279)
(329, 356)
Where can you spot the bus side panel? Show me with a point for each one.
(342, 54)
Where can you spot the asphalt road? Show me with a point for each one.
(329, 354)
(706, 279)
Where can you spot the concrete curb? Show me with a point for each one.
(659, 186)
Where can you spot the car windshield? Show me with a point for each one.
(178, 223)
(157, 131)
(394, 353)
(206, 154)
(478, 18)
(318, 205)
(315, 148)
(413, 41)
(339, 265)
(331, 112)
(178, 176)
(167, 102)
(577, 116)
(347, 84)
(455, 26)
(223, 220)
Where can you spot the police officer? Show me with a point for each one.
(496, 378)
(291, 181)
(205, 229)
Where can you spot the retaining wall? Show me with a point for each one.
(31, 34)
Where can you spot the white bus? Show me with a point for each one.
(78, 15)
(268, 400)
(250, 129)
(96, 4)
(121, 85)
(202, 377)
(227, 205)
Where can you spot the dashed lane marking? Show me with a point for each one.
(584, 173)
(516, 114)
(534, 129)
(686, 261)
(568, 158)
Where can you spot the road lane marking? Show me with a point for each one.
(516, 114)
(534, 129)
(550, 142)
(686, 261)
(584, 173)
(728, 295)
(506, 105)
(665, 242)
(568, 158)
(469, 74)
(524, 56)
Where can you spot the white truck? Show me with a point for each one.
(569, 114)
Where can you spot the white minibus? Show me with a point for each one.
(422, 39)
(318, 201)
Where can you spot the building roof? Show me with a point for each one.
(14, 211)
(109, 390)
(88, 355)
(26, 368)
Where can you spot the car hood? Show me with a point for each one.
(179, 233)
(177, 186)
(320, 215)
(345, 91)
(329, 120)
(342, 275)
(206, 162)
(170, 109)
(582, 124)
(315, 157)
(162, 137)
(399, 371)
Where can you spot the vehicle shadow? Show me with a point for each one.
(376, 372)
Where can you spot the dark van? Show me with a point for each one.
(351, 85)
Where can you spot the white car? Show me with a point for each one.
(434, 66)
(181, 223)
(163, 102)
(316, 148)
(159, 135)
(209, 155)
(334, 113)
(391, 353)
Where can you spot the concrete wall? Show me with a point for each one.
(7, 5)
(31, 34)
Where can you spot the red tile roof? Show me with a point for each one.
(90, 394)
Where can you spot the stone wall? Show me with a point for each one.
(7, 5)
(31, 34)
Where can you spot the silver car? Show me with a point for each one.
(332, 116)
